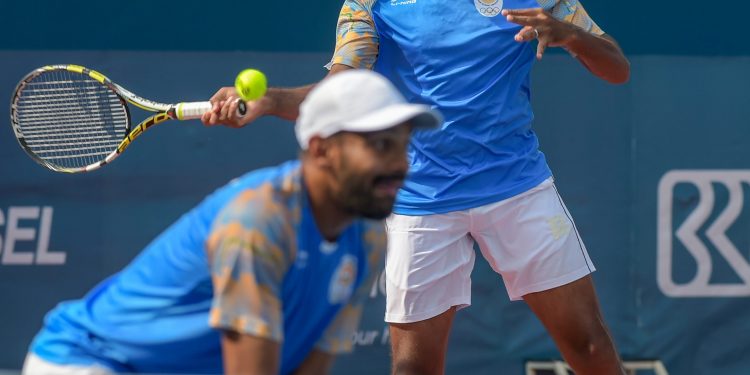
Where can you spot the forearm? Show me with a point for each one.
(316, 363)
(245, 354)
(285, 102)
(600, 55)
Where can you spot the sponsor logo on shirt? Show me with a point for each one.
(402, 2)
(489, 8)
(342, 282)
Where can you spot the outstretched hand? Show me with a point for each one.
(540, 25)
(224, 109)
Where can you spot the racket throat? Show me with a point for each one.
(142, 127)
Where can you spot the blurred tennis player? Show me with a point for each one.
(276, 260)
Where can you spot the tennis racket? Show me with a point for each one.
(72, 119)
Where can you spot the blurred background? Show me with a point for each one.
(629, 161)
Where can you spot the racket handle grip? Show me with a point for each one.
(194, 110)
(189, 111)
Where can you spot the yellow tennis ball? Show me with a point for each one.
(250, 84)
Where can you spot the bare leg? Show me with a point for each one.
(420, 348)
(572, 317)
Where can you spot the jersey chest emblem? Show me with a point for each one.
(489, 8)
(342, 282)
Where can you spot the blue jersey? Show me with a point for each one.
(249, 259)
(461, 58)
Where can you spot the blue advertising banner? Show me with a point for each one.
(655, 173)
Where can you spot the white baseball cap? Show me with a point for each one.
(358, 101)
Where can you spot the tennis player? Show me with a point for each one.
(270, 269)
(481, 178)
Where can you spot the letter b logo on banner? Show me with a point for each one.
(698, 235)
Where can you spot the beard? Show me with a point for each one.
(357, 195)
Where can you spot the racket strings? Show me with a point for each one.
(69, 119)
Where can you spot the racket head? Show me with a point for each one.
(68, 118)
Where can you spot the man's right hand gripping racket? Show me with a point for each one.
(72, 119)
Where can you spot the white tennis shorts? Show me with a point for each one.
(35, 365)
(529, 239)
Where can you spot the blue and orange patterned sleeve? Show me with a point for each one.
(249, 257)
(571, 11)
(356, 37)
(338, 336)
